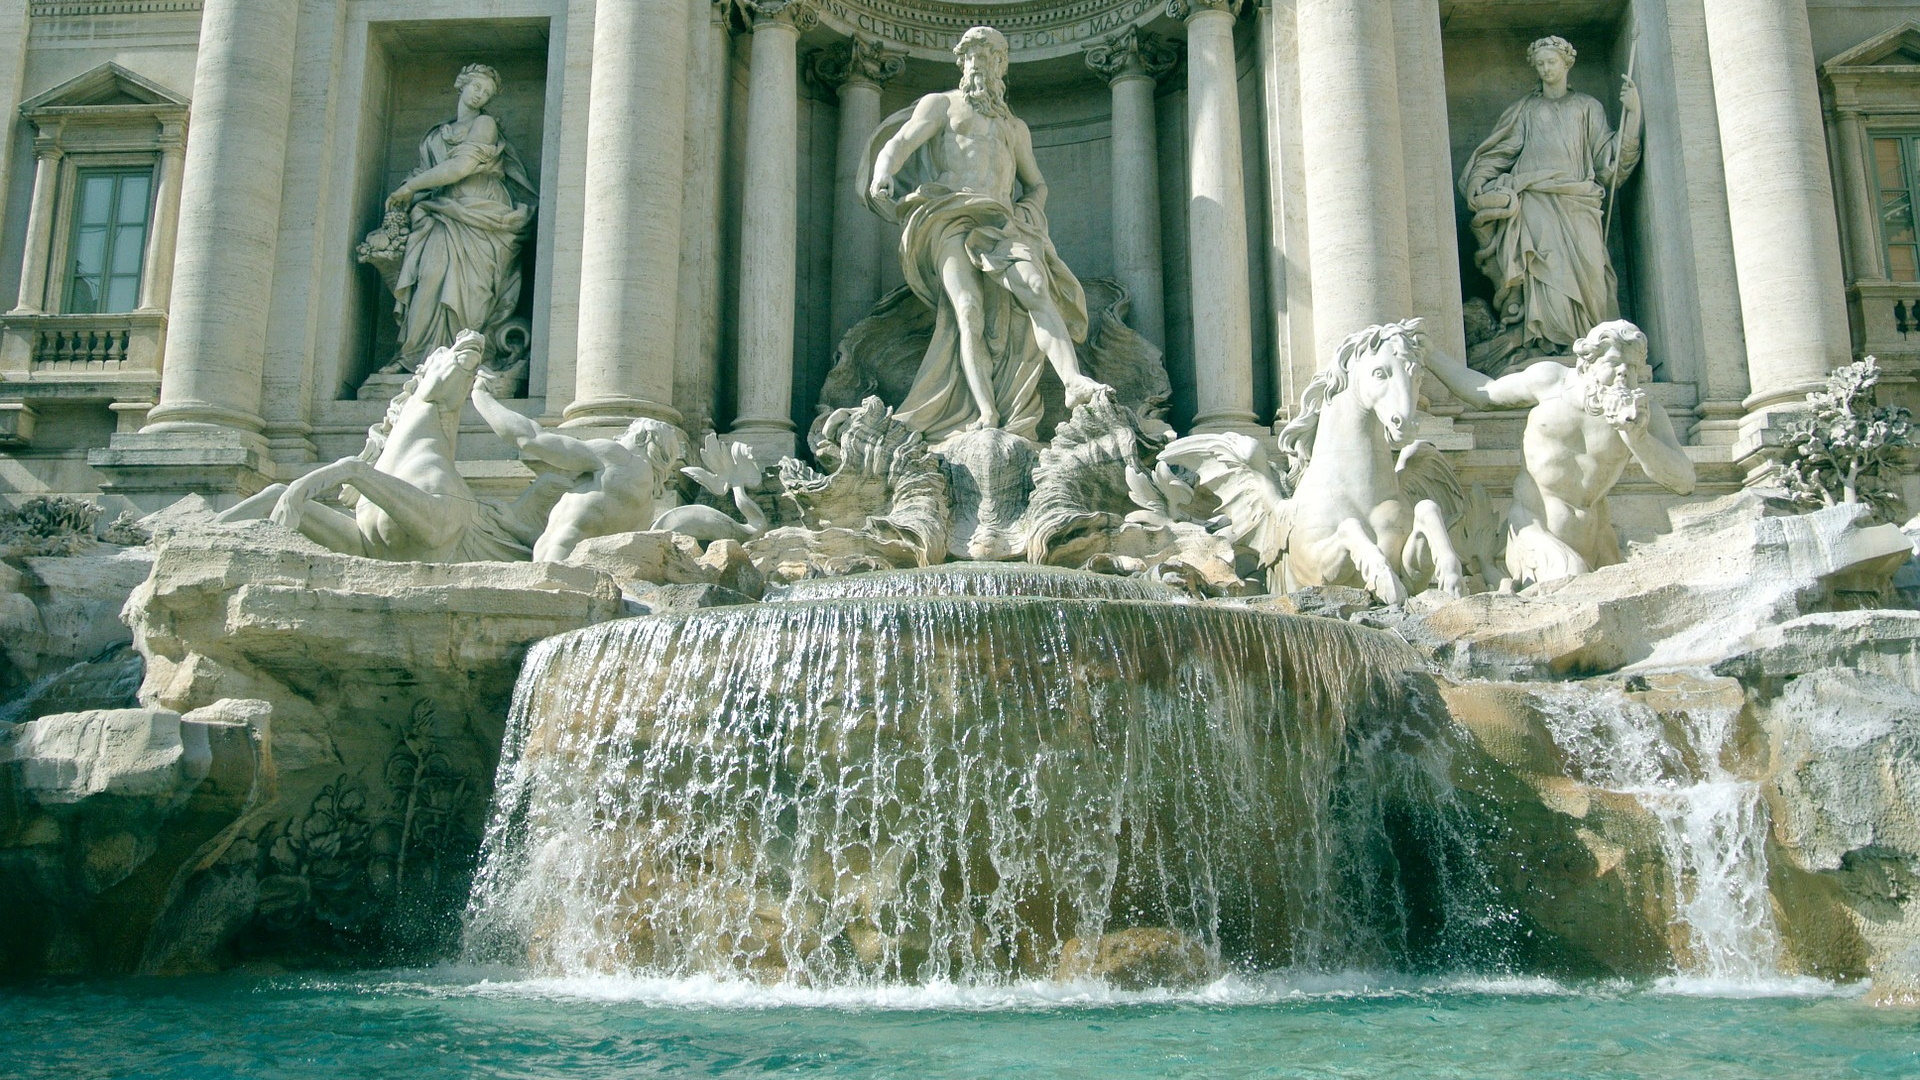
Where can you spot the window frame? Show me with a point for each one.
(60, 256)
(69, 228)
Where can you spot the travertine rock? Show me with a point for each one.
(1139, 958)
(636, 560)
(375, 691)
(133, 753)
(1730, 569)
(56, 611)
(105, 811)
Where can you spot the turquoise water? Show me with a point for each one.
(430, 1025)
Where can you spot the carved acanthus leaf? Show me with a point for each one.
(1134, 51)
(862, 59)
(802, 15)
(1186, 9)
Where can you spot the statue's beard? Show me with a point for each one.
(1617, 403)
(986, 90)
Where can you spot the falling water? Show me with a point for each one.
(1713, 824)
(898, 786)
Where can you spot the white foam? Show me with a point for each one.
(1783, 986)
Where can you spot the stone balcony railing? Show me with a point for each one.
(115, 348)
(111, 359)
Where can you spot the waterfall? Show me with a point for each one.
(947, 775)
(1713, 824)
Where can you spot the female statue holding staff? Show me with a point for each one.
(1537, 188)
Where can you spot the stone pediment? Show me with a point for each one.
(1898, 48)
(104, 86)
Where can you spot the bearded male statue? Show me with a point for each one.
(1585, 424)
(1006, 305)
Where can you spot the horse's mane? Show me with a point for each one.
(377, 434)
(1296, 439)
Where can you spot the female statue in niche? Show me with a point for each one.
(449, 247)
(1537, 188)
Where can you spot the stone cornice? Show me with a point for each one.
(51, 9)
(861, 59)
(1134, 52)
(1035, 29)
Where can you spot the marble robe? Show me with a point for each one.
(996, 235)
(1546, 252)
(461, 270)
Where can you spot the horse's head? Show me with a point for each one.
(1380, 366)
(447, 374)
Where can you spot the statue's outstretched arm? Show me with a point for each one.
(1521, 389)
(560, 451)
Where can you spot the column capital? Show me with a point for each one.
(800, 15)
(1188, 10)
(861, 59)
(1133, 53)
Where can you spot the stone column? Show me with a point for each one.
(769, 230)
(702, 247)
(46, 182)
(630, 254)
(156, 279)
(1133, 62)
(1786, 243)
(857, 71)
(1356, 197)
(229, 218)
(1217, 221)
(1433, 247)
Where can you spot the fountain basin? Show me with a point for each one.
(949, 776)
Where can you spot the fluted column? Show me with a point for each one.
(1786, 243)
(46, 181)
(630, 255)
(1133, 62)
(769, 230)
(229, 217)
(856, 70)
(1217, 221)
(156, 279)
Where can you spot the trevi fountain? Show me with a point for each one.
(561, 538)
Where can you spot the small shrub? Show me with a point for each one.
(47, 525)
(1847, 450)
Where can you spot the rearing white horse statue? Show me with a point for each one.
(1351, 511)
(412, 504)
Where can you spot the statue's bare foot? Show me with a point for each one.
(1081, 390)
(988, 421)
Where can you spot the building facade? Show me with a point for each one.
(191, 192)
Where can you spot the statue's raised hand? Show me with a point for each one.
(1629, 95)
